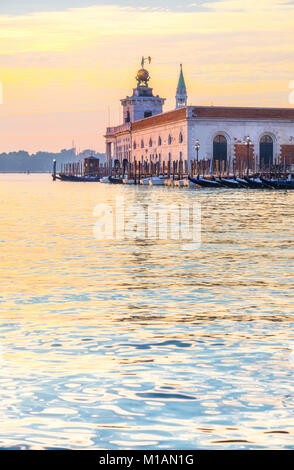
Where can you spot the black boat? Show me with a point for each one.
(229, 182)
(279, 183)
(242, 182)
(205, 183)
(115, 180)
(73, 178)
(257, 183)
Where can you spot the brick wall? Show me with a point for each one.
(287, 153)
(241, 156)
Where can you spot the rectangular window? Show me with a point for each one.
(147, 114)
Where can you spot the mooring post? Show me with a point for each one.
(54, 170)
(135, 171)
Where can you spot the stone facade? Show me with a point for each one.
(235, 124)
(161, 139)
(172, 135)
(141, 104)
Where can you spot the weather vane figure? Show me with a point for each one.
(143, 61)
(143, 76)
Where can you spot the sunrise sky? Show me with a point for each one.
(64, 65)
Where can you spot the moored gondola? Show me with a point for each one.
(242, 182)
(279, 183)
(229, 182)
(74, 178)
(115, 180)
(257, 183)
(205, 183)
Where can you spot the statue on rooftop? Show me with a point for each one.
(143, 76)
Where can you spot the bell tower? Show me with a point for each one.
(142, 104)
(181, 96)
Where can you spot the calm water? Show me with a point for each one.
(143, 345)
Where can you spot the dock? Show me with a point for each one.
(177, 173)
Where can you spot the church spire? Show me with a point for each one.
(181, 96)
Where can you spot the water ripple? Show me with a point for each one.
(140, 345)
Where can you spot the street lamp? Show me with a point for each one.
(248, 143)
(197, 147)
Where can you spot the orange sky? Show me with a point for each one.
(64, 72)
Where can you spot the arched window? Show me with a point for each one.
(220, 139)
(220, 148)
(266, 139)
(181, 138)
(159, 141)
(266, 151)
(142, 143)
(135, 145)
(150, 142)
(169, 139)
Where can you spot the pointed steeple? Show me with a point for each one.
(181, 96)
(181, 83)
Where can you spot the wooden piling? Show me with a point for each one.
(169, 169)
(54, 170)
(135, 171)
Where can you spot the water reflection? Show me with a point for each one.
(137, 345)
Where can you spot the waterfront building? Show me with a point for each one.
(259, 136)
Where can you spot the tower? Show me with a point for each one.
(142, 103)
(181, 96)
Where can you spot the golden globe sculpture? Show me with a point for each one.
(143, 77)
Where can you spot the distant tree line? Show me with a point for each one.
(41, 162)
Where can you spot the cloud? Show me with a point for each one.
(86, 58)
(45, 31)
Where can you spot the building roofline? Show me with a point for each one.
(240, 107)
(162, 118)
(239, 112)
